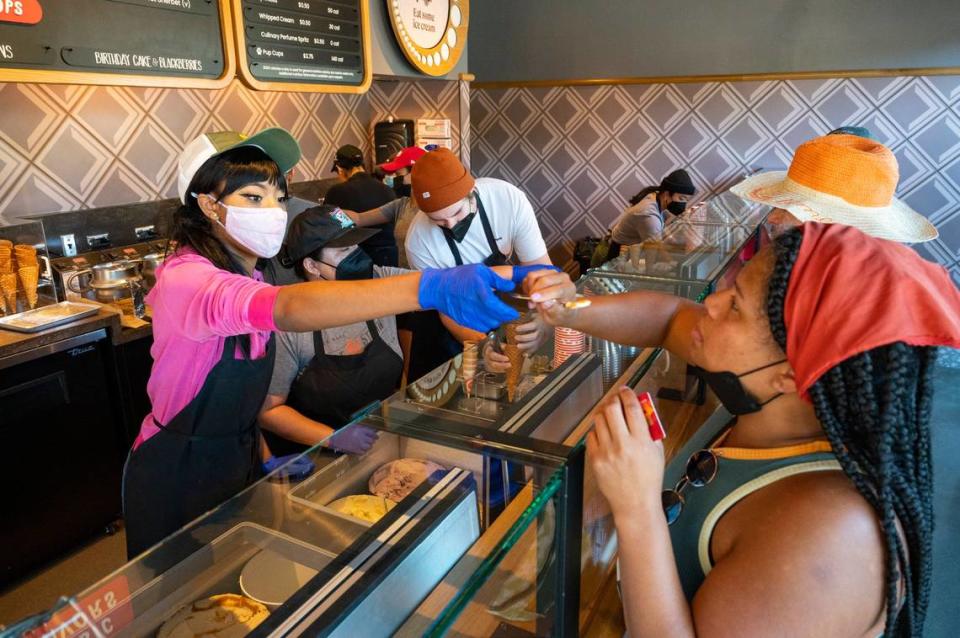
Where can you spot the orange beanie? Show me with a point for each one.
(438, 180)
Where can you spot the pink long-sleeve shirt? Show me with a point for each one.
(196, 306)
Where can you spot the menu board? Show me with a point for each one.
(179, 43)
(303, 45)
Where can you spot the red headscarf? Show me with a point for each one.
(850, 293)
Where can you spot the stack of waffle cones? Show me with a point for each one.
(515, 355)
(469, 369)
(18, 261)
(8, 279)
(29, 271)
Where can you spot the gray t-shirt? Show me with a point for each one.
(295, 349)
(640, 222)
(401, 212)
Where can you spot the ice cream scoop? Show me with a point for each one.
(520, 301)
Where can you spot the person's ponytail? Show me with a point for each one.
(639, 196)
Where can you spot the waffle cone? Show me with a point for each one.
(6, 264)
(25, 255)
(510, 330)
(8, 286)
(29, 276)
(515, 355)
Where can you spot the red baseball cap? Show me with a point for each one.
(404, 159)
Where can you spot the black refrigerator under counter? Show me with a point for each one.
(60, 424)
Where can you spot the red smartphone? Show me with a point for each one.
(650, 414)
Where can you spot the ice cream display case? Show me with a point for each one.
(709, 240)
(374, 545)
(686, 251)
(459, 400)
(683, 405)
(726, 209)
(616, 358)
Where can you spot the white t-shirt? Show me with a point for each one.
(511, 218)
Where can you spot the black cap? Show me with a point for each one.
(320, 227)
(678, 182)
(348, 156)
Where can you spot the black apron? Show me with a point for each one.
(433, 344)
(203, 456)
(495, 258)
(332, 388)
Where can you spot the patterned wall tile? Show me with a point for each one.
(110, 115)
(28, 117)
(463, 106)
(69, 147)
(581, 152)
(74, 157)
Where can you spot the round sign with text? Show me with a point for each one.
(431, 33)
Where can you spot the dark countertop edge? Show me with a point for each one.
(127, 335)
(14, 343)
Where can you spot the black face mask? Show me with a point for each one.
(356, 265)
(732, 394)
(677, 208)
(459, 230)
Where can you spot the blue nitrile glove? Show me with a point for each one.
(353, 439)
(520, 272)
(292, 466)
(465, 294)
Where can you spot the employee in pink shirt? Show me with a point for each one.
(214, 320)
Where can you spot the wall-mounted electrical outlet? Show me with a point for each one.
(145, 233)
(69, 244)
(98, 241)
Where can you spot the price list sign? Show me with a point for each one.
(181, 43)
(303, 45)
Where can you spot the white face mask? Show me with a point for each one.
(259, 230)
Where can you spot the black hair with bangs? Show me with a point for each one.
(219, 176)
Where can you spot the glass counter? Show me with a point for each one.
(358, 547)
(698, 252)
(726, 209)
(616, 358)
(687, 409)
(475, 405)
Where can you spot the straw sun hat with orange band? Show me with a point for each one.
(842, 179)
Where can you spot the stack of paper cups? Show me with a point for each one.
(567, 342)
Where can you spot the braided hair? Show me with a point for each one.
(875, 410)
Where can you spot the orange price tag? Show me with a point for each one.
(108, 608)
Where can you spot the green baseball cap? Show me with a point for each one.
(277, 143)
